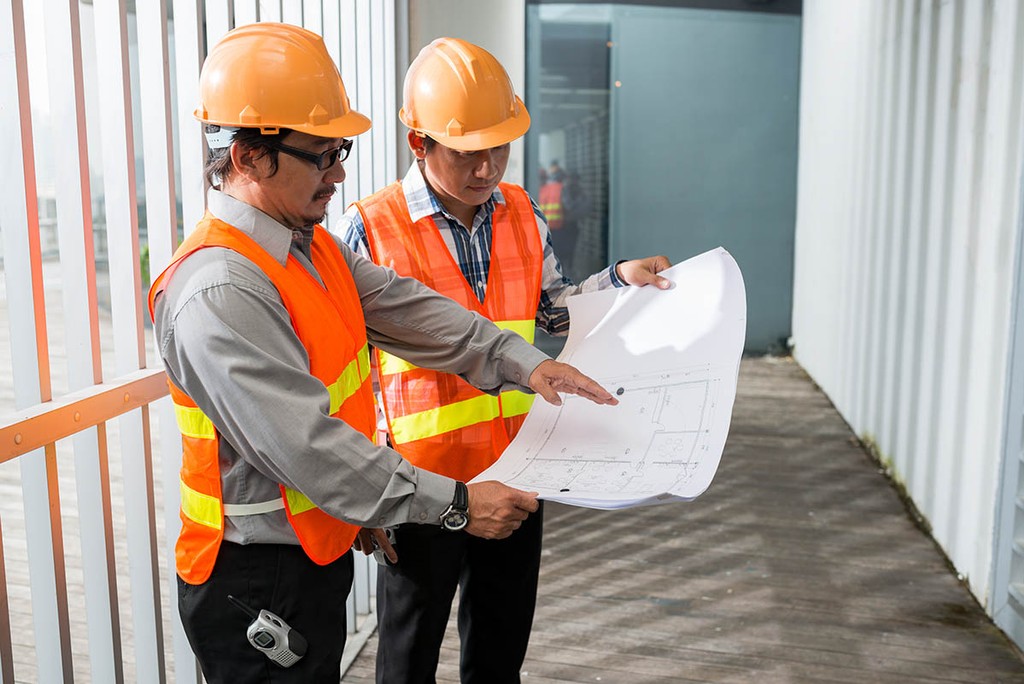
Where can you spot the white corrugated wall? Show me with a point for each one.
(907, 220)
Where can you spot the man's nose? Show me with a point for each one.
(336, 173)
(485, 167)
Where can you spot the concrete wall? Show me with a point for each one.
(907, 217)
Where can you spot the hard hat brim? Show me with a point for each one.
(347, 126)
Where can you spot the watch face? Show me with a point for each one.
(454, 520)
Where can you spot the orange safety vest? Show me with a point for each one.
(329, 322)
(437, 420)
(550, 202)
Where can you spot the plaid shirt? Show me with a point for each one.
(471, 249)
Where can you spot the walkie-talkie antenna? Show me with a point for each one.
(243, 607)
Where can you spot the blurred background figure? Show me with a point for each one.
(550, 202)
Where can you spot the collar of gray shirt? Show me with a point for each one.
(274, 237)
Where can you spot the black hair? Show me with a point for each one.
(218, 163)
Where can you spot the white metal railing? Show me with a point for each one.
(94, 95)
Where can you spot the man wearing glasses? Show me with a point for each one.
(453, 224)
(264, 322)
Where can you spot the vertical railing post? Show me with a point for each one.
(81, 332)
(19, 220)
(6, 651)
(189, 51)
(121, 202)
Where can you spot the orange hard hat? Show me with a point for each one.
(273, 76)
(459, 94)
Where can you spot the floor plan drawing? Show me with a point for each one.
(658, 439)
(671, 358)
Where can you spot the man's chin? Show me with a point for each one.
(476, 198)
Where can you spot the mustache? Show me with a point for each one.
(325, 192)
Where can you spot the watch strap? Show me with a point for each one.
(461, 500)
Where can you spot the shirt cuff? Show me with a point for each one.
(613, 274)
(434, 493)
(521, 368)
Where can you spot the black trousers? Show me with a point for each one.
(498, 580)
(279, 578)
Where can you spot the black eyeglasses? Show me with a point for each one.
(322, 161)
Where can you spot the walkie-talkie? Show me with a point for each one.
(272, 635)
(378, 552)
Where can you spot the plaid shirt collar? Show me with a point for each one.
(423, 202)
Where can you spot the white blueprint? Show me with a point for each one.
(672, 358)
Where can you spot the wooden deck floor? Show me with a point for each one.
(800, 564)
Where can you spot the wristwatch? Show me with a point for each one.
(456, 516)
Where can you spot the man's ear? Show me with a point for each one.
(419, 150)
(248, 162)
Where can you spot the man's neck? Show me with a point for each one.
(249, 193)
(465, 217)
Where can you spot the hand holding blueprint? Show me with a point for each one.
(672, 359)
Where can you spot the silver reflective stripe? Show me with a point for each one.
(254, 509)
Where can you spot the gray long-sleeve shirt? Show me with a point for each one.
(226, 340)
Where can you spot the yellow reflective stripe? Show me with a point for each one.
(515, 403)
(524, 328)
(297, 501)
(392, 365)
(201, 508)
(193, 423)
(437, 421)
(350, 380)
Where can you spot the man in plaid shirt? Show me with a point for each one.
(454, 225)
